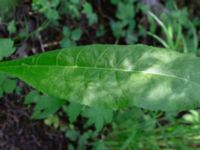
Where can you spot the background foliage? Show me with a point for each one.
(30, 27)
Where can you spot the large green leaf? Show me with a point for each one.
(114, 76)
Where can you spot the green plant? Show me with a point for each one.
(54, 9)
(125, 26)
(47, 107)
(179, 31)
(134, 129)
(44, 105)
(113, 76)
(7, 48)
(98, 117)
(7, 85)
(71, 7)
(90, 14)
(47, 7)
(7, 7)
(70, 37)
(165, 80)
(12, 27)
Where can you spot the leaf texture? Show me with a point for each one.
(114, 76)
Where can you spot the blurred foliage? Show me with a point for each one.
(7, 85)
(124, 27)
(179, 31)
(48, 8)
(6, 48)
(44, 105)
(7, 7)
(70, 37)
(88, 11)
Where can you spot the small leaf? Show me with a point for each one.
(75, 1)
(83, 139)
(98, 117)
(91, 16)
(100, 32)
(115, 2)
(66, 42)
(76, 34)
(52, 14)
(6, 48)
(72, 134)
(117, 29)
(87, 8)
(2, 78)
(100, 145)
(46, 106)
(7, 6)
(12, 27)
(125, 11)
(55, 3)
(73, 111)
(131, 38)
(66, 31)
(71, 147)
(32, 97)
(9, 85)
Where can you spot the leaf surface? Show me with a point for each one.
(6, 47)
(114, 76)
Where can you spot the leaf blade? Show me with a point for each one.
(113, 76)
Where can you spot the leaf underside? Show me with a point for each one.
(114, 76)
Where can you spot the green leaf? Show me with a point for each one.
(66, 31)
(98, 117)
(117, 29)
(87, 8)
(100, 145)
(73, 111)
(115, 2)
(128, 14)
(91, 16)
(12, 27)
(6, 85)
(83, 140)
(55, 3)
(32, 97)
(100, 31)
(75, 1)
(131, 38)
(7, 7)
(9, 85)
(114, 76)
(46, 106)
(76, 34)
(72, 134)
(52, 14)
(66, 42)
(2, 78)
(6, 48)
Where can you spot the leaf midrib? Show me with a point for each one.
(108, 69)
